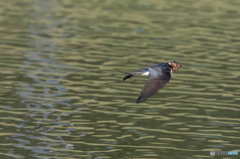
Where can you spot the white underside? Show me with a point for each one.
(145, 73)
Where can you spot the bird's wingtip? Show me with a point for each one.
(138, 100)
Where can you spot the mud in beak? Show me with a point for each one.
(176, 66)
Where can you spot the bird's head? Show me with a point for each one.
(175, 65)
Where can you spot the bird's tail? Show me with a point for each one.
(128, 76)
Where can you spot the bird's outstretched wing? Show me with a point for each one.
(157, 80)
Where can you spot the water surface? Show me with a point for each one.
(61, 96)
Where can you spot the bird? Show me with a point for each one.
(158, 76)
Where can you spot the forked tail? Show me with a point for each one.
(128, 76)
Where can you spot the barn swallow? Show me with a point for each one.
(159, 75)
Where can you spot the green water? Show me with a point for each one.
(61, 96)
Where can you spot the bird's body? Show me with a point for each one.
(159, 75)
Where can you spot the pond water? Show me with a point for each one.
(61, 96)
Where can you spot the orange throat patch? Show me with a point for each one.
(175, 66)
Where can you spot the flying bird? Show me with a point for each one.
(159, 75)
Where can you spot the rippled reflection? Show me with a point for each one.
(61, 96)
